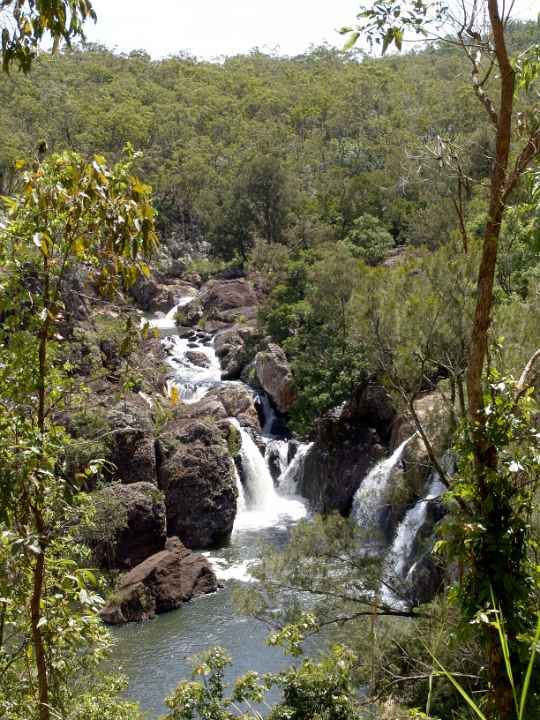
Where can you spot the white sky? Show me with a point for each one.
(211, 28)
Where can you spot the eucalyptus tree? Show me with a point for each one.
(507, 90)
(24, 24)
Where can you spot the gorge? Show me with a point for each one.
(270, 470)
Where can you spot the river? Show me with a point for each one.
(156, 655)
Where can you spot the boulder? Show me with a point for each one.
(231, 347)
(129, 525)
(152, 296)
(190, 314)
(161, 583)
(196, 357)
(196, 473)
(435, 417)
(275, 377)
(238, 402)
(133, 443)
(222, 295)
(348, 442)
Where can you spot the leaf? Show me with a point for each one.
(528, 675)
(351, 42)
(174, 394)
(459, 688)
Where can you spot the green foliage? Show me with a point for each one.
(25, 24)
(315, 689)
(368, 240)
(290, 150)
(70, 213)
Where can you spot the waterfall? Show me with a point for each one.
(241, 503)
(169, 321)
(370, 498)
(407, 532)
(259, 485)
(288, 480)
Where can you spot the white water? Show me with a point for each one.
(192, 381)
(264, 507)
(169, 321)
(415, 518)
(371, 497)
(288, 480)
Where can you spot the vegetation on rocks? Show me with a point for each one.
(359, 236)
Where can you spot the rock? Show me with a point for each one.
(161, 583)
(239, 403)
(196, 357)
(275, 377)
(231, 348)
(435, 417)
(209, 407)
(222, 295)
(190, 314)
(333, 475)
(130, 525)
(133, 443)
(196, 474)
(151, 295)
(347, 445)
(186, 332)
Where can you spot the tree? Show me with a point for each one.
(71, 213)
(486, 48)
(26, 23)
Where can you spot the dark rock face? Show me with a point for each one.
(161, 583)
(347, 445)
(333, 475)
(230, 347)
(142, 507)
(133, 444)
(196, 474)
(275, 377)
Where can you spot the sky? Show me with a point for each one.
(213, 28)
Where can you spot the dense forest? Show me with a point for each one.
(318, 272)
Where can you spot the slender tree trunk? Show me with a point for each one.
(485, 454)
(39, 567)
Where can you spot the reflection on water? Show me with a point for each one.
(156, 655)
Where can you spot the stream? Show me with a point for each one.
(156, 655)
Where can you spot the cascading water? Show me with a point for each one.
(263, 513)
(169, 321)
(402, 548)
(259, 484)
(370, 499)
(290, 477)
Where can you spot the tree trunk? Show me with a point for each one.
(485, 454)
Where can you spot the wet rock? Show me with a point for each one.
(239, 403)
(198, 358)
(196, 474)
(347, 445)
(161, 583)
(275, 377)
(129, 525)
